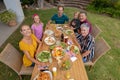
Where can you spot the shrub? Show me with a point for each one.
(7, 16)
(109, 7)
(28, 2)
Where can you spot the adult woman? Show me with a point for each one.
(28, 45)
(37, 26)
(86, 42)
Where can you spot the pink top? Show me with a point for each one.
(38, 30)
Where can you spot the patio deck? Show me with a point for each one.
(6, 31)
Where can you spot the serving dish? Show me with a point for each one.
(48, 32)
(58, 52)
(49, 40)
(73, 49)
(43, 56)
(45, 75)
(69, 32)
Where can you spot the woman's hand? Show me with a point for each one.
(86, 53)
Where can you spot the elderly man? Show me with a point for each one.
(86, 42)
(59, 18)
(83, 19)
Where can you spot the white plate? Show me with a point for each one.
(49, 32)
(49, 40)
(49, 72)
(59, 28)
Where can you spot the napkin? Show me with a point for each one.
(73, 58)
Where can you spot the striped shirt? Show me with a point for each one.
(87, 44)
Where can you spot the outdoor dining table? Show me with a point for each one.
(77, 70)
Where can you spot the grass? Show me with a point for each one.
(107, 67)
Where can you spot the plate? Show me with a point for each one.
(69, 32)
(49, 40)
(58, 52)
(49, 32)
(59, 28)
(49, 73)
(73, 49)
(43, 56)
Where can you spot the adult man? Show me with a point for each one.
(83, 19)
(59, 18)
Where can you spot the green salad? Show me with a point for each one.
(63, 45)
(66, 65)
(69, 32)
(43, 56)
(73, 48)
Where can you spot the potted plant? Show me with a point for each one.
(8, 17)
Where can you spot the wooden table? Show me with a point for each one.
(77, 71)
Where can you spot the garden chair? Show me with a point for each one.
(95, 31)
(101, 47)
(12, 58)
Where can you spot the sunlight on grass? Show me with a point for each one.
(107, 68)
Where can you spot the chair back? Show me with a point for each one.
(95, 31)
(101, 47)
(11, 57)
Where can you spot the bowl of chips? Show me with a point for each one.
(45, 75)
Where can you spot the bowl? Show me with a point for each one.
(44, 75)
(58, 52)
(43, 56)
(49, 32)
(65, 64)
(73, 49)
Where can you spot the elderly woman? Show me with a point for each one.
(86, 42)
(28, 45)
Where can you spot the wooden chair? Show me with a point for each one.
(95, 31)
(12, 58)
(101, 47)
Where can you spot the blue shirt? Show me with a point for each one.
(59, 20)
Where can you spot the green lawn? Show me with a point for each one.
(107, 67)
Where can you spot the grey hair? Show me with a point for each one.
(85, 25)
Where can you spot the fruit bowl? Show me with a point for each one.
(58, 52)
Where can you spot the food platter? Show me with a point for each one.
(48, 32)
(58, 52)
(49, 40)
(43, 56)
(69, 32)
(45, 75)
(73, 49)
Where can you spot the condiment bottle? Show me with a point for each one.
(62, 37)
(54, 70)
